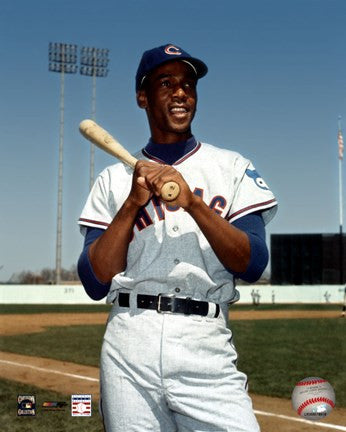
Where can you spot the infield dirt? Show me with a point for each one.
(34, 323)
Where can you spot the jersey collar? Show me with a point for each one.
(171, 154)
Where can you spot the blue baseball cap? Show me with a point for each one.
(153, 58)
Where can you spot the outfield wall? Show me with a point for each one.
(75, 294)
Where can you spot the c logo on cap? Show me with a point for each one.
(172, 50)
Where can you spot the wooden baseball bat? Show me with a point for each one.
(100, 137)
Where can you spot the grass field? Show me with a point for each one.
(64, 308)
(78, 344)
(276, 354)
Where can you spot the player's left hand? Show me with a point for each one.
(157, 176)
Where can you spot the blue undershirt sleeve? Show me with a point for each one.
(253, 225)
(93, 287)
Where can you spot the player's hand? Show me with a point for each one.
(140, 194)
(149, 177)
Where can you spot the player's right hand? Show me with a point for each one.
(140, 193)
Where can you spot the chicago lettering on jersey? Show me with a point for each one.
(144, 220)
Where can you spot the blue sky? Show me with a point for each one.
(274, 91)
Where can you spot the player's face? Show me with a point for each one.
(170, 99)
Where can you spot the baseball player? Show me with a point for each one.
(168, 362)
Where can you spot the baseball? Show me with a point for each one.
(313, 398)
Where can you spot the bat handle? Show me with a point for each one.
(170, 191)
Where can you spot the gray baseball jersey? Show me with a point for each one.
(168, 251)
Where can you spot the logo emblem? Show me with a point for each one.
(26, 405)
(81, 405)
(257, 179)
(172, 50)
(54, 406)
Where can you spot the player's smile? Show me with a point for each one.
(170, 100)
(178, 111)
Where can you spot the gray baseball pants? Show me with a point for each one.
(171, 373)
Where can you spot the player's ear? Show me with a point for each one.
(142, 99)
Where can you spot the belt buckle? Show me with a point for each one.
(158, 308)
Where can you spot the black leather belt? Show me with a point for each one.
(167, 303)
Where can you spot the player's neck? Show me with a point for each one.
(164, 137)
(170, 153)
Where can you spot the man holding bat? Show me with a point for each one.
(168, 362)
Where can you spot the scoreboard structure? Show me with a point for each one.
(308, 259)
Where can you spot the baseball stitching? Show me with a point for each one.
(304, 383)
(314, 400)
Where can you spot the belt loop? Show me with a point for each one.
(159, 303)
(212, 310)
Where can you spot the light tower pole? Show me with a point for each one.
(62, 59)
(341, 242)
(94, 62)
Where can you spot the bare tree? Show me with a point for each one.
(45, 276)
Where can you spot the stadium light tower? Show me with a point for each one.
(94, 62)
(341, 242)
(62, 59)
